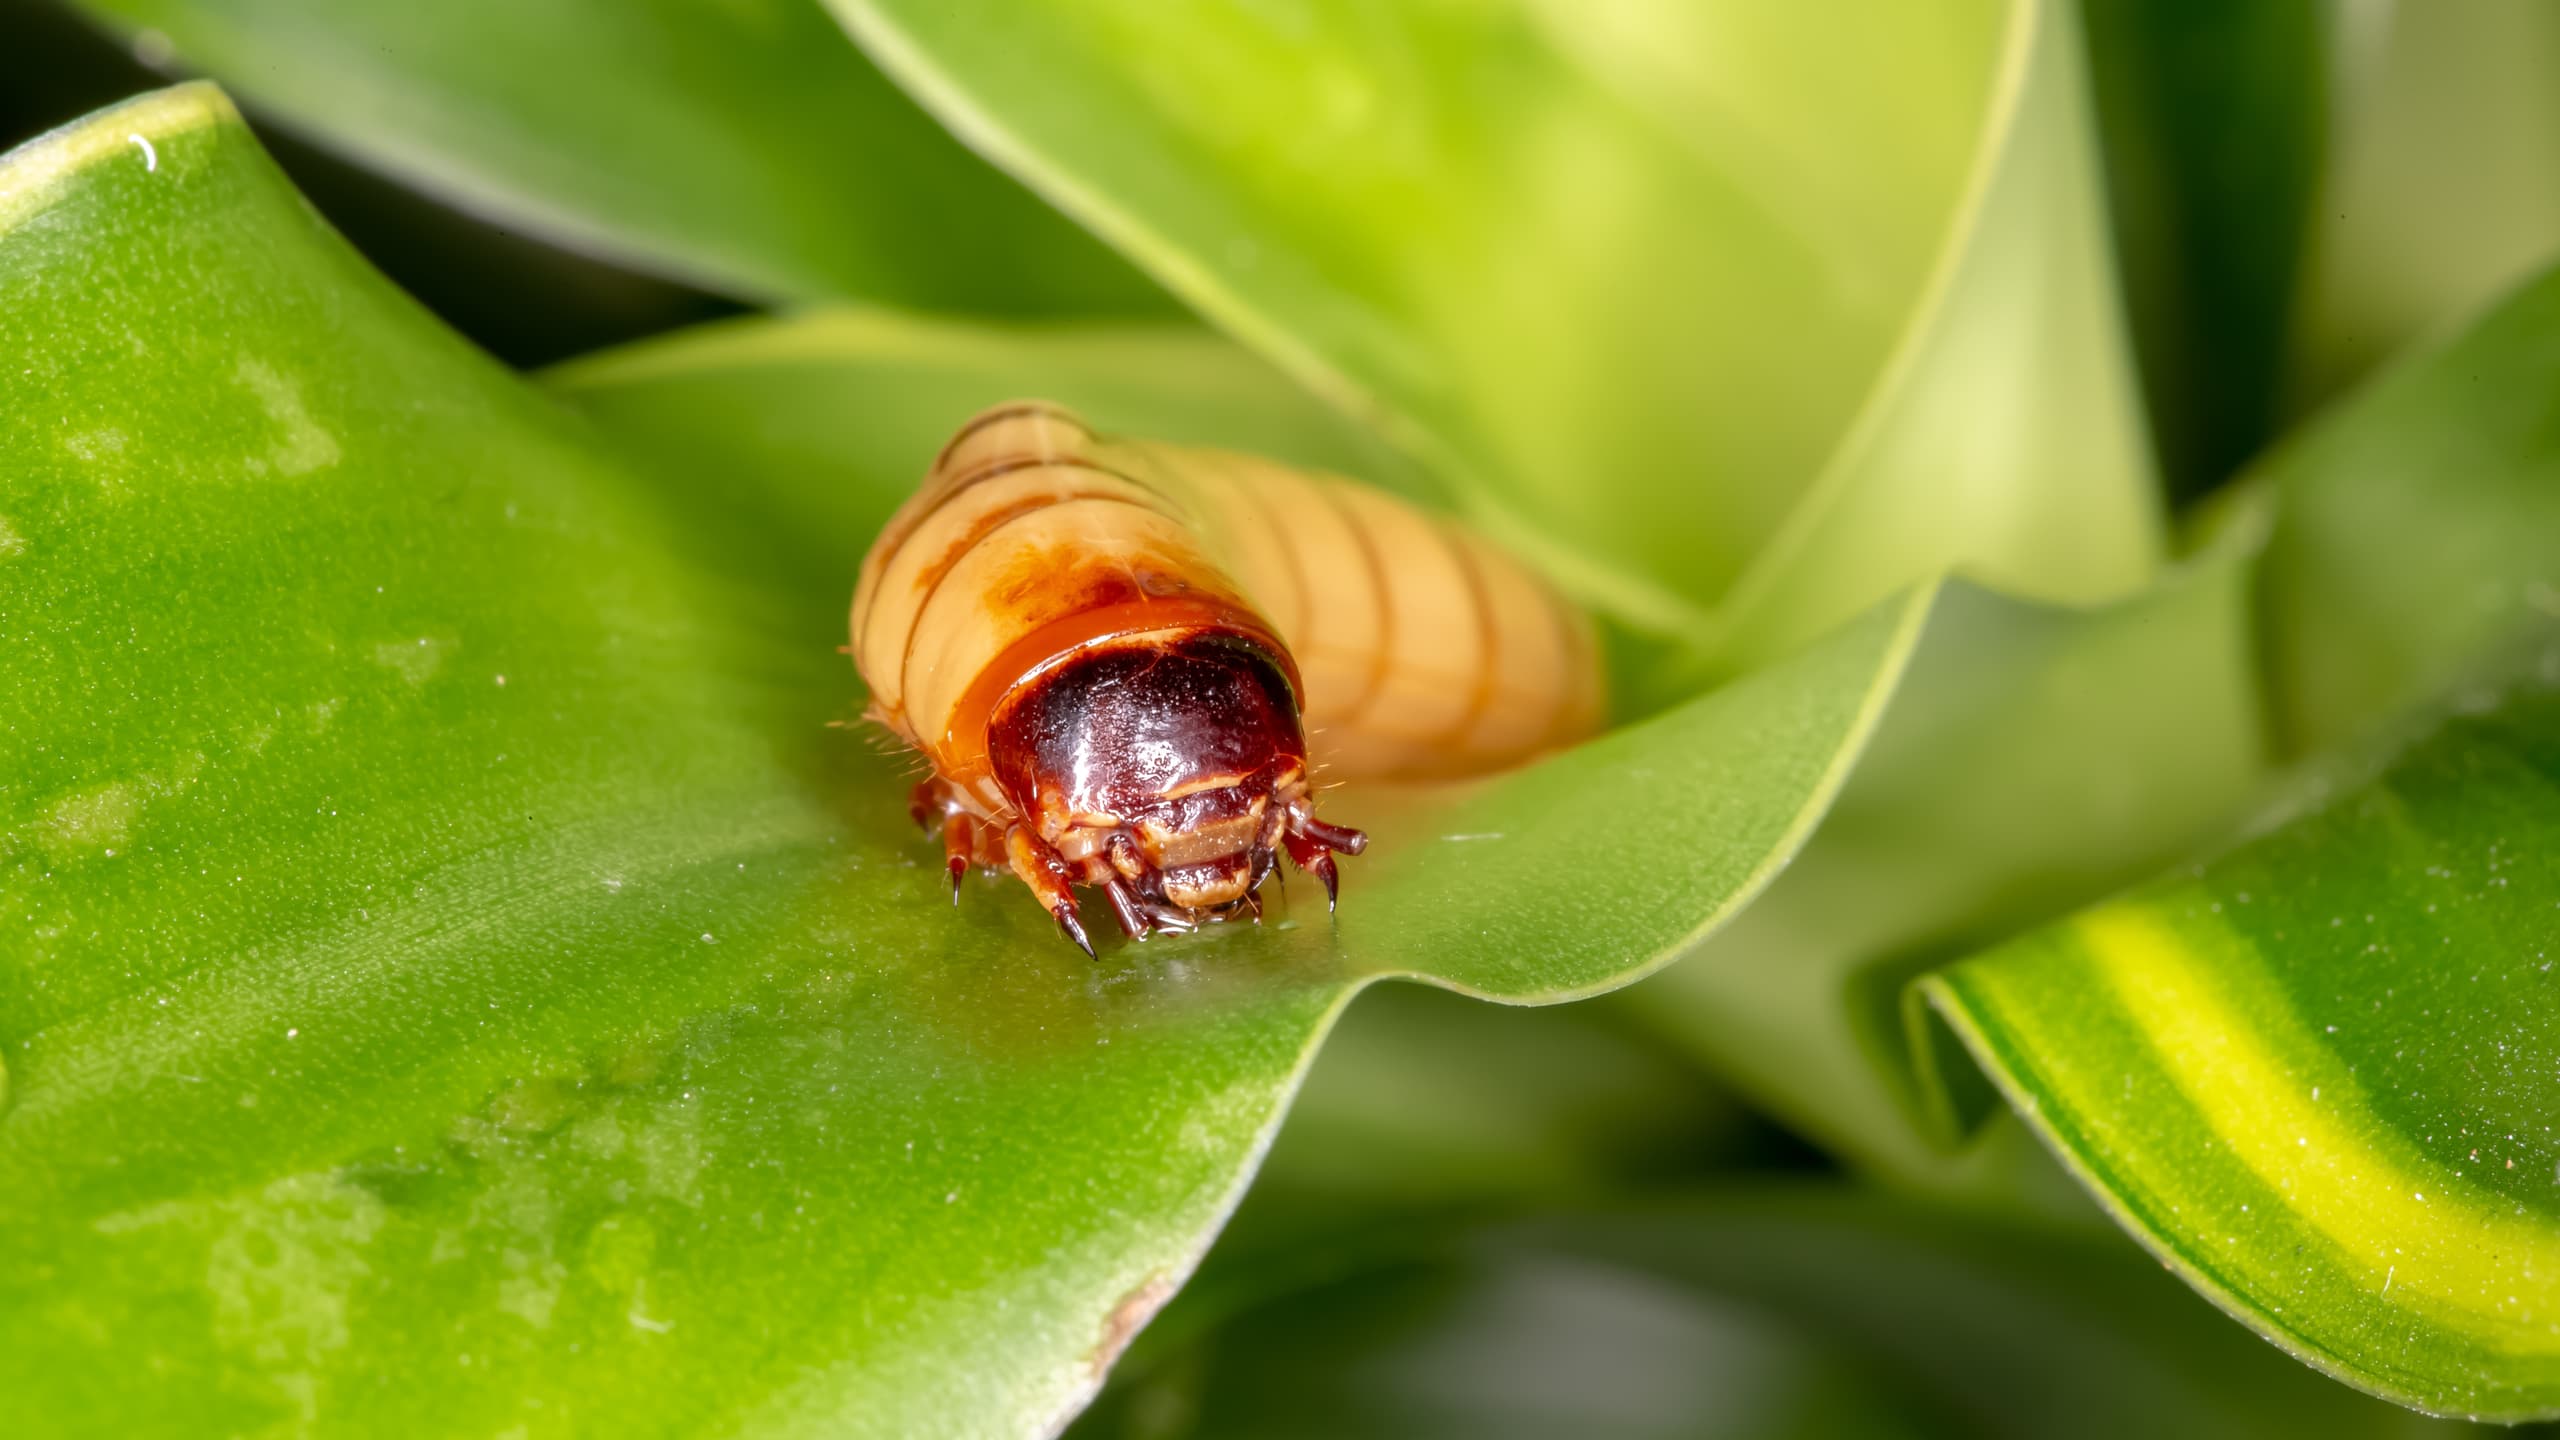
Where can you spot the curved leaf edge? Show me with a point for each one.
(34, 169)
(1823, 490)
(495, 203)
(1197, 285)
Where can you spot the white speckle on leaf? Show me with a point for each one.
(103, 816)
(417, 661)
(283, 1265)
(11, 542)
(306, 446)
(102, 453)
(150, 156)
(90, 819)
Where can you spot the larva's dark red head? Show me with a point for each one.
(1170, 771)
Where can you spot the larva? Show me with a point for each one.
(1115, 655)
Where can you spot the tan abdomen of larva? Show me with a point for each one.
(1420, 649)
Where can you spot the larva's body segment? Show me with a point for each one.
(1115, 655)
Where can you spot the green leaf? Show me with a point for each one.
(2024, 766)
(2417, 524)
(1799, 1311)
(742, 146)
(1730, 314)
(462, 984)
(2317, 1075)
(2443, 178)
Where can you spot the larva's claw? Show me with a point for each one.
(1067, 921)
(959, 867)
(1327, 872)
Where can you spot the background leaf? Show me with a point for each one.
(742, 146)
(1424, 1102)
(2440, 189)
(1799, 1310)
(523, 300)
(2302, 1072)
(2216, 125)
(1629, 276)
(463, 983)
(2417, 524)
(2027, 765)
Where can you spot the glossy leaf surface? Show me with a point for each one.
(464, 984)
(2317, 1074)
(1697, 303)
(742, 146)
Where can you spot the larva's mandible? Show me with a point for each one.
(1115, 655)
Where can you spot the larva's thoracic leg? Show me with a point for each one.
(1049, 879)
(1331, 837)
(965, 837)
(1315, 860)
(1311, 843)
(958, 844)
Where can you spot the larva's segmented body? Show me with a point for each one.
(1115, 653)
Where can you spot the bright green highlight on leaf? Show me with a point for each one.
(1688, 301)
(742, 146)
(2318, 1074)
(464, 984)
